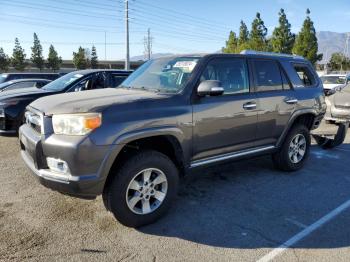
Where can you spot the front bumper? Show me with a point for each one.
(7, 126)
(86, 178)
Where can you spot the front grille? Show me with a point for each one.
(34, 120)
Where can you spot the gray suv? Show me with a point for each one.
(172, 115)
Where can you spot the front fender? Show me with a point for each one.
(126, 138)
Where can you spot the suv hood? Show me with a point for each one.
(90, 101)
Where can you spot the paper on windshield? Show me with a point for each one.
(186, 66)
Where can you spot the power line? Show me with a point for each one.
(71, 43)
(66, 11)
(180, 33)
(186, 16)
(173, 19)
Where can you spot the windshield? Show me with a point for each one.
(3, 78)
(333, 80)
(166, 75)
(63, 82)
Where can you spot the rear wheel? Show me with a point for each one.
(143, 189)
(294, 151)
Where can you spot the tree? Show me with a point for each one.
(18, 56)
(79, 59)
(283, 39)
(4, 60)
(338, 62)
(37, 53)
(243, 38)
(94, 58)
(306, 43)
(53, 60)
(88, 57)
(231, 44)
(257, 36)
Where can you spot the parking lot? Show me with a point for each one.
(241, 211)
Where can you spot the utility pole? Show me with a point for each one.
(346, 51)
(127, 58)
(105, 46)
(148, 45)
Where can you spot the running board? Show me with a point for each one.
(228, 156)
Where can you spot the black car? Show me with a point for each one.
(14, 102)
(4, 77)
(23, 83)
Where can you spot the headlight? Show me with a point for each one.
(76, 124)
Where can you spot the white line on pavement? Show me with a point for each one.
(307, 231)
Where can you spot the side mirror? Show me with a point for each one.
(329, 92)
(210, 88)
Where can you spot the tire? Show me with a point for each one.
(320, 140)
(119, 196)
(282, 159)
(338, 138)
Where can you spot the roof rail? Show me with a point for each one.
(253, 52)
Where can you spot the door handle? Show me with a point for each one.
(249, 106)
(291, 100)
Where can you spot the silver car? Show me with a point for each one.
(335, 124)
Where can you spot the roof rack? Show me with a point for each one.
(253, 52)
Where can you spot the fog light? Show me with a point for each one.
(57, 165)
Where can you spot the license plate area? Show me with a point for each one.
(33, 149)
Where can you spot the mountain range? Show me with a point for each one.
(328, 43)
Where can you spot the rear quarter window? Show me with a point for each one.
(305, 75)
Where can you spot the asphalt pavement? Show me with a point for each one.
(242, 211)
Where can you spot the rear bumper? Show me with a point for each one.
(86, 177)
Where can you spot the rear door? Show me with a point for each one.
(276, 99)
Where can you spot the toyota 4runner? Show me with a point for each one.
(173, 114)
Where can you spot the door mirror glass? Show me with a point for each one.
(210, 88)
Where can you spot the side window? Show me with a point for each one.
(116, 79)
(286, 84)
(231, 72)
(83, 85)
(98, 81)
(267, 75)
(305, 75)
(21, 85)
(40, 84)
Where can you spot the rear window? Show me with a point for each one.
(305, 75)
(117, 79)
(267, 75)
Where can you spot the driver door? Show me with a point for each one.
(225, 123)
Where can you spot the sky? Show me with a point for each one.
(181, 26)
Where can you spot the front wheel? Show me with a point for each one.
(143, 189)
(295, 149)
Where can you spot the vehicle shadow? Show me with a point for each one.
(249, 204)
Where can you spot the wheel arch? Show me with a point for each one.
(168, 141)
(307, 117)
